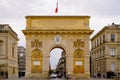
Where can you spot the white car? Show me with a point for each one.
(53, 76)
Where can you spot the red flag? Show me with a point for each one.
(56, 10)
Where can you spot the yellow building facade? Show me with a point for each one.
(44, 33)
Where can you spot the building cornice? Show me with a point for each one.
(7, 29)
(107, 29)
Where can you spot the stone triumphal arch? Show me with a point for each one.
(71, 33)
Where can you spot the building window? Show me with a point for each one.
(103, 38)
(112, 66)
(112, 37)
(96, 54)
(93, 54)
(12, 51)
(100, 53)
(100, 40)
(21, 60)
(21, 54)
(92, 45)
(13, 70)
(103, 52)
(97, 42)
(112, 51)
(1, 46)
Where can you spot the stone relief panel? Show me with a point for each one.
(36, 61)
(36, 43)
(78, 53)
(78, 61)
(79, 43)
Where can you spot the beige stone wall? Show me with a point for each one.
(68, 22)
(12, 72)
(9, 40)
(47, 46)
(101, 61)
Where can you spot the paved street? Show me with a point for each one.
(54, 79)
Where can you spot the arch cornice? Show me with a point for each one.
(41, 31)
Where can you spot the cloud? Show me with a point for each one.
(93, 7)
(16, 8)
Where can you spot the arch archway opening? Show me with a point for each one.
(58, 62)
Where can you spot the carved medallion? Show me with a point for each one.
(78, 53)
(57, 39)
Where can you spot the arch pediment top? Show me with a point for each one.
(57, 22)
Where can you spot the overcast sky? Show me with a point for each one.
(102, 12)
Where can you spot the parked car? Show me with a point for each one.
(53, 76)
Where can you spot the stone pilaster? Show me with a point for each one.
(45, 65)
(69, 64)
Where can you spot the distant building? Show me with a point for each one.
(61, 67)
(8, 52)
(21, 61)
(105, 52)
